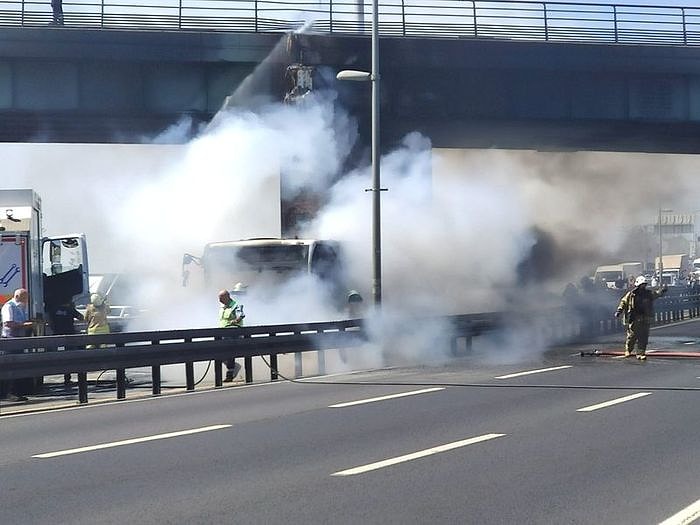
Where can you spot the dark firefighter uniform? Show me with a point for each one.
(637, 308)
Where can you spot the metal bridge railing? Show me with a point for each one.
(493, 19)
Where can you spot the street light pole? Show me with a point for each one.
(661, 254)
(376, 189)
(376, 181)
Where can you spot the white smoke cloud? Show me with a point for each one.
(455, 225)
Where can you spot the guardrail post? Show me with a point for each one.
(685, 32)
(121, 383)
(546, 28)
(248, 364)
(297, 365)
(102, 13)
(218, 375)
(273, 367)
(82, 387)
(615, 21)
(321, 362)
(189, 375)
(330, 16)
(179, 15)
(476, 31)
(155, 379)
(256, 16)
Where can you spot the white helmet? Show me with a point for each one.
(239, 288)
(640, 280)
(354, 296)
(97, 299)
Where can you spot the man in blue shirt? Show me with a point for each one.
(15, 323)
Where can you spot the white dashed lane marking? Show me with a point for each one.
(613, 402)
(129, 442)
(384, 398)
(686, 516)
(530, 372)
(416, 455)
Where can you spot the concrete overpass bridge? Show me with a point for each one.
(468, 74)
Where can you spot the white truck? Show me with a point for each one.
(675, 269)
(54, 270)
(613, 273)
(696, 266)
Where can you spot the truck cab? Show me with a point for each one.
(54, 270)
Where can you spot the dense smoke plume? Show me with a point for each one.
(463, 230)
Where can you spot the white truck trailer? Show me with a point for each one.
(53, 270)
(675, 269)
(612, 273)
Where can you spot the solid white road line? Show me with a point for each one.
(129, 441)
(613, 402)
(529, 372)
(416, 455)
(382, 398)
(688, 515)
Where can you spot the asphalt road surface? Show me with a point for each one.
(557, 439)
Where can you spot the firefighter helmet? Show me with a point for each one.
(640, 280)
(239, 288)
(354, 296)
(97, 299)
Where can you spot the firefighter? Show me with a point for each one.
(354, 311)
(96, 317)
(231, 316)
(637, 310)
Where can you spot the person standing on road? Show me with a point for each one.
(61, 321)
(62, 317)
(57, 11)
(637, 309)
(231, 316)
(15, 323)
(96, 316)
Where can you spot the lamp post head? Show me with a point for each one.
(354, 75)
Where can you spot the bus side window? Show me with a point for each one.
(324, 262)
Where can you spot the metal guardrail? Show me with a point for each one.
(595, 316)
(40, 356)
(493, 19)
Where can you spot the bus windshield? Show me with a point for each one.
(285, 257)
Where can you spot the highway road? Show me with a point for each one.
(556, 439)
